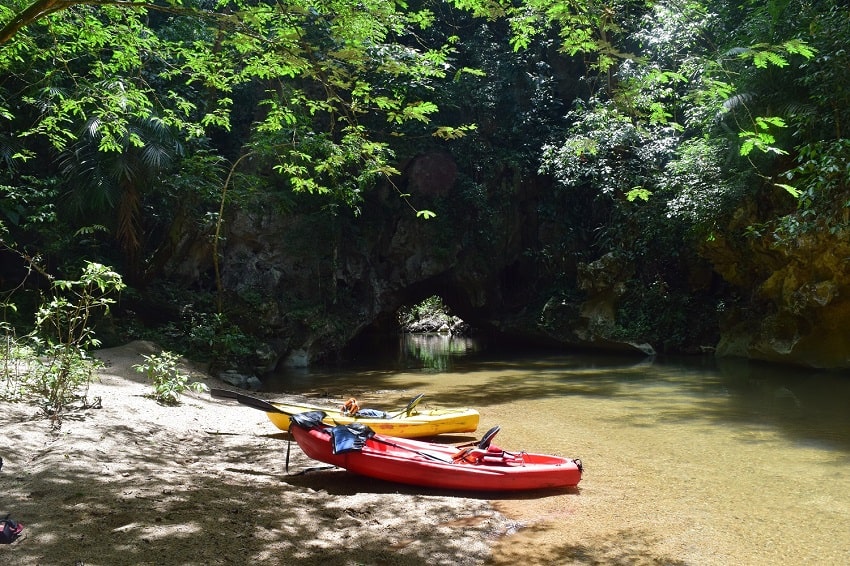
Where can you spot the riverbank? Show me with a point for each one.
(134, 482)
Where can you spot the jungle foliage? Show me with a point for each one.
(121, 123)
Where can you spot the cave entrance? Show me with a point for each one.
(430, 315)
(423, 333)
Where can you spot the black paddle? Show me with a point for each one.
(388, 443)
(410, 406)
(223, 393)
(482, 444)
(254, 402)
(488, 437)
(267, 407)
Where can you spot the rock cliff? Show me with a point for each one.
(311, 282)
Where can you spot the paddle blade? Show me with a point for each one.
(257, 403)
(223, 394)
(253, 402)
(488, 437)
(410, 406)
(413, 403)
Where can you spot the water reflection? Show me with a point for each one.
(425, 351)
(436, 352)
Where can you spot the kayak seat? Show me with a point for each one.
(492, 456)
(502, 460)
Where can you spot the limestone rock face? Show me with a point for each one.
(592, 322)
(431, 174)
(311, 281)
(800, 305)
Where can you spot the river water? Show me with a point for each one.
(691, 461)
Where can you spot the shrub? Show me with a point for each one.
(168, 381)
(63, 334)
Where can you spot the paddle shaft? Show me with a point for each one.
(267, 407)
(388, 443)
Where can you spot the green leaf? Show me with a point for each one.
(638, 193)
(451, 133)
(764, 122)
(799, 47)
(791, 190)
(762, 59)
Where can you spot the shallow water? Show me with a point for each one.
(693, 461)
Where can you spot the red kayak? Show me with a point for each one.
(480, 466)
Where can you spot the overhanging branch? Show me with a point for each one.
(42, 8)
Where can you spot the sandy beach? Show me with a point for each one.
(135, 482)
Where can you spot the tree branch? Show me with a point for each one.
(42, 8)
(33, 13)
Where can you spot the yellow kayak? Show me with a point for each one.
(408, 422)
